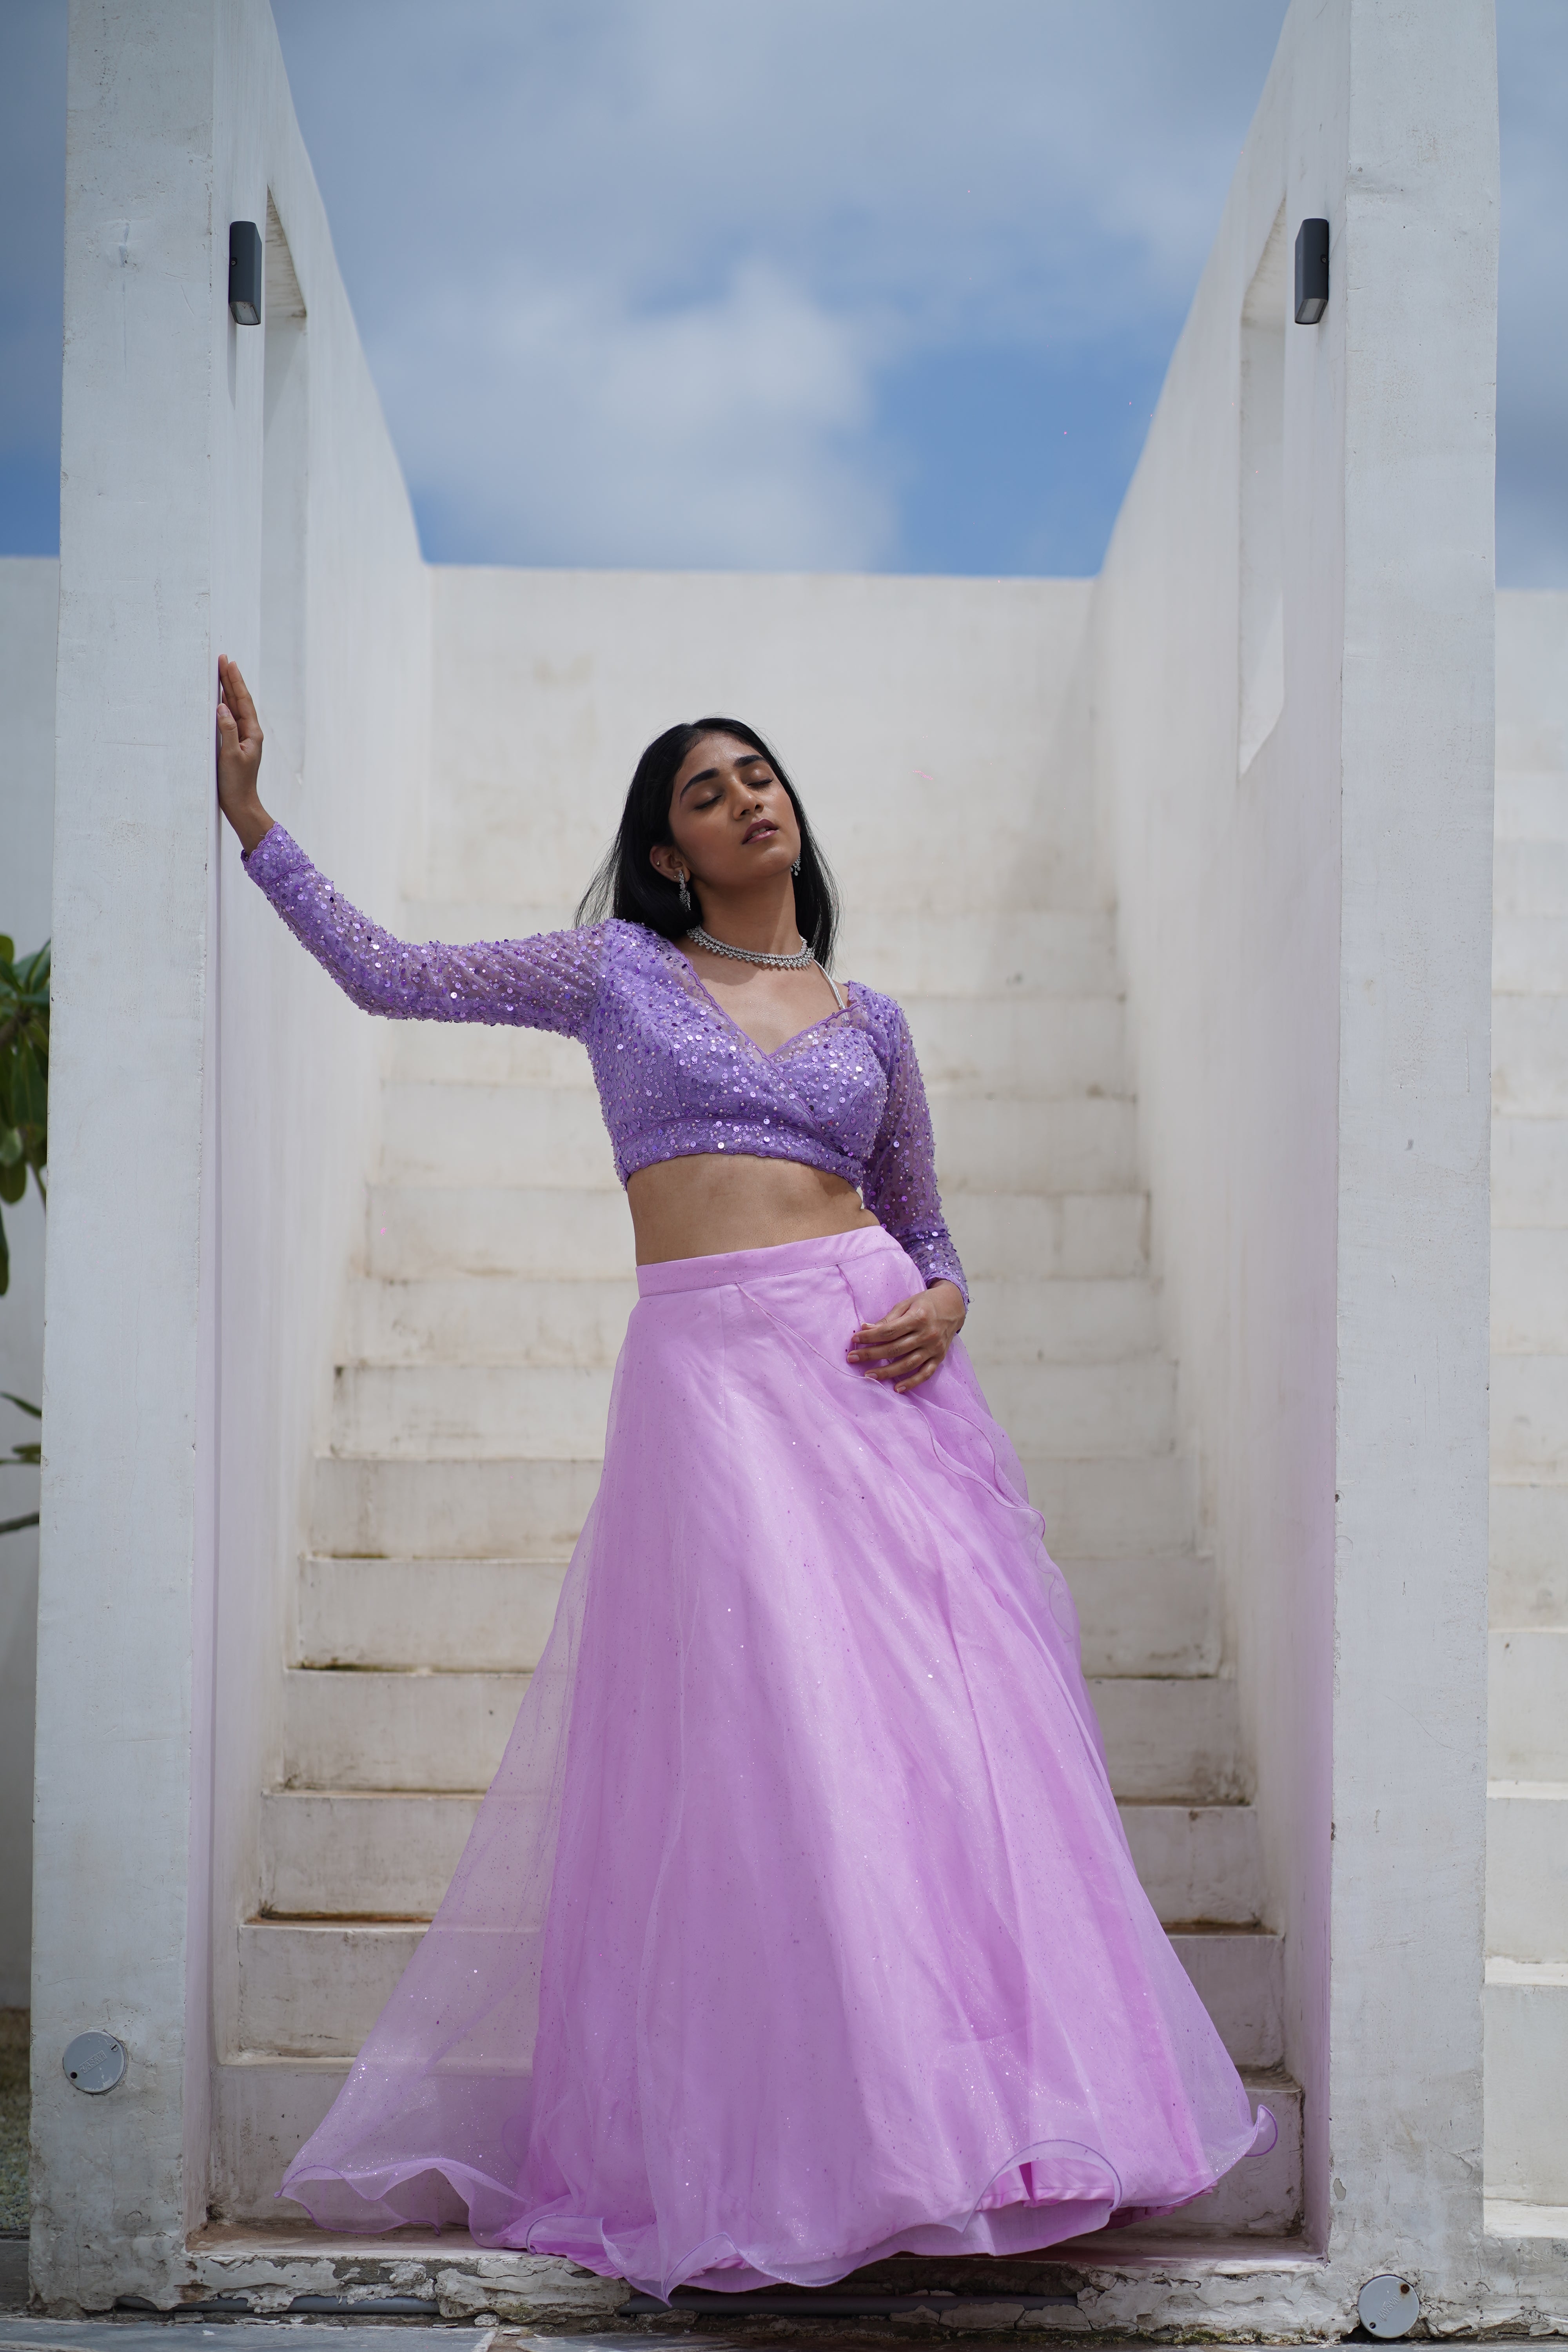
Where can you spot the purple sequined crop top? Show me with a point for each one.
(674, 1074)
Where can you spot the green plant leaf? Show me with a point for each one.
(4, 1261)
(22, 1404)
(7, 950)
(13, 1183)
(29, 1093)
(12, 1147)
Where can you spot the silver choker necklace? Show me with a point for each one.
(749, 955)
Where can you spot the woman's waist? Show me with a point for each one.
(714, 1269)
(699, 1204)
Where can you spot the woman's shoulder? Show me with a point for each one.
(630, 942)
(882, 1014)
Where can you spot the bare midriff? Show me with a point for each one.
(708, 1204)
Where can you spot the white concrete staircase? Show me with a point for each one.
(1527, 1813)
(466, 1435)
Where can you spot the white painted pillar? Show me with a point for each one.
(128, 1502)
(207, 1159)
(1304, 877)
(1416, 236)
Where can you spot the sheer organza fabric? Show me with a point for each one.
(798, 1927)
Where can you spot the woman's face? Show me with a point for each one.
(730, 820)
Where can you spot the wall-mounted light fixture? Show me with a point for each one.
(1311, 272)
(245, 273)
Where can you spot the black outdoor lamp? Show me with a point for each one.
(1311, 272)
(245, 273)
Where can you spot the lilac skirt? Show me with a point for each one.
(798, 1927)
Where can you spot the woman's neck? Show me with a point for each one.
(761, 918)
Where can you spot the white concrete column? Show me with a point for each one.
(1304, 887)
(1416, 258)
(152, 392)
(209, 1158)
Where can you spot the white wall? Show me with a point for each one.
(927, 723)
(210, 1092)
(1307, 948)
(30, 594)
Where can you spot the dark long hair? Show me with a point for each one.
(628, 885)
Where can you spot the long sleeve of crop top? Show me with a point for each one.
(547, 983)
(899, 1185)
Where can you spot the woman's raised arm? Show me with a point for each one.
(550, 982)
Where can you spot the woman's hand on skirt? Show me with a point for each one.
(908, 1343)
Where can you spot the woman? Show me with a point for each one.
(798, 1927)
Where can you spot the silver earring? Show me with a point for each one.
(685, 893)
(794, 869)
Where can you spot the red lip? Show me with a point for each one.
(756, 832)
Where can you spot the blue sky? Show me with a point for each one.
(880, 284)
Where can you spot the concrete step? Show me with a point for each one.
(1529, 1541)
(1154, 1617)
(1528, 1171)
(1530, 877)
(434, 1233)
(1056, 1320)
(530, 1411)
(1167, 1738)
(1056, 951)
(1102, 1509)
(1037, 1048)
(993, 1143)
(484, 1135)
(1069, 1045)
(314, 1987)
(1259, 2197)
(1530, 955)
(449, 1615)
(488, 1135)
(505, 1319)
(1170, 1738)
(265, 2107)
(522, 1231)
(1529, 1055)
(1530, 1291)
(484, 1412)
(369, 1855)
(1048, 952)
(1527, 1869)
(439, 1053)
(1527, 2080)
(489, 1319)
(1116, 1510)
(435, 1511)
(1079, 1235)
(1530, 1416)
(1529, 807)
(1197, 1863)
(1527, 1703)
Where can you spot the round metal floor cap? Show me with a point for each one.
(1388, 2305)
(94, 2063)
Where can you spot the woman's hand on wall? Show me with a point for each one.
(909, 1342)
(238, 756)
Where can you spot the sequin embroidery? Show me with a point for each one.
(674, 1074)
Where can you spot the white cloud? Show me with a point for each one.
(714, 430)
